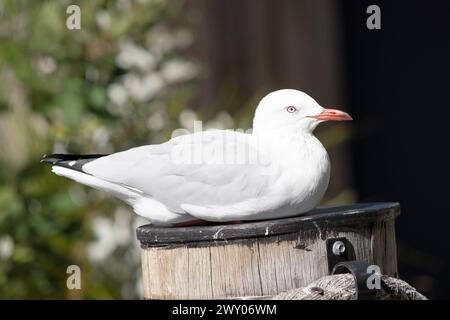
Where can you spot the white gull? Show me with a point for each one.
(281, 169)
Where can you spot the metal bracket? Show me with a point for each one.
(359, 271)
(337, 251)
(338, 256)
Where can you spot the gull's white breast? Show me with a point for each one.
(304, 177)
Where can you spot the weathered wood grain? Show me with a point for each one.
(262, 258)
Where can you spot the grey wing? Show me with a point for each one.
(208, 168)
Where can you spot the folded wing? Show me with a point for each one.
(217, 168)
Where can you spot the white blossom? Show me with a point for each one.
(46, 65)
(133, 56)
(187, 118)
(117, 94)
(223, 120)
(6, 247)
(110, 233)
(178, 70)
(103, 19)
(156, 121)
(143, 89)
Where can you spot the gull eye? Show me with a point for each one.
(291, 109)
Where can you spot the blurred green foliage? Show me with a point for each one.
(118, 82)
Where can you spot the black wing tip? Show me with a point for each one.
(50, 158)
(60, 157)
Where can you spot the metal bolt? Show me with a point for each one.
(338, 248)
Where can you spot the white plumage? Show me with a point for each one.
(279, 170)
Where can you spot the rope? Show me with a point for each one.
(400, 288)
(342, 287)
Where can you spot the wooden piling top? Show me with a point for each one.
(346, 215)
(264, 258)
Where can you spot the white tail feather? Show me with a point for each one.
(117, 190)
(142, 204)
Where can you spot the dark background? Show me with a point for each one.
(398, 81)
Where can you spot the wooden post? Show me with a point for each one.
(264, 258)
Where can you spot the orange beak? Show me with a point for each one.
(332, 114)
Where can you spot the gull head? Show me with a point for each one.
(292, 111)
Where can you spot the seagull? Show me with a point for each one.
(277, 170)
